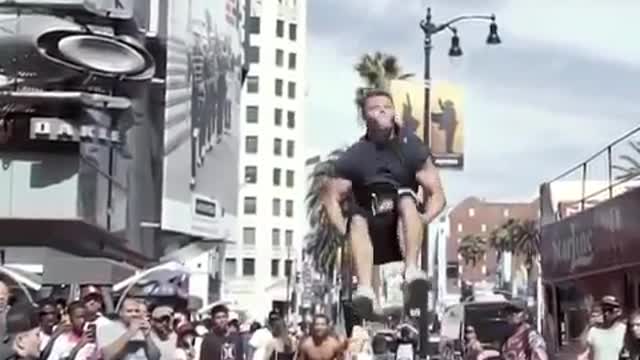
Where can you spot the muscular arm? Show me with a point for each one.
(429, 178)
(301, 354)
(334, 192)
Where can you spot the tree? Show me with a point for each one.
(631, 169)
(377, 70)
(519, 237)
(472, 249)
(323, 240)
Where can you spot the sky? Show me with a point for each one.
(561, 86)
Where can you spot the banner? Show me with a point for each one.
(445, 131)
(201, 139)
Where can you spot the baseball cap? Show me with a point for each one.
(516, 306)
(609, 300)
(90, 290)
(161, 311)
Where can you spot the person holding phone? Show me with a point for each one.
(74, 340)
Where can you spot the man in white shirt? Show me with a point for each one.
(91, 296)
(606, 341)
(77, 343)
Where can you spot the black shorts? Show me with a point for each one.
(383, 231)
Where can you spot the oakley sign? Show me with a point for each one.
(54, 129)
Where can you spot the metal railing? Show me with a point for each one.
(607, 173)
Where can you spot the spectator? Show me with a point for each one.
(4, 306)
(186, 342)
(606, 341)
(162, 333)
(128, 338)
(261, 337)
(49, 318)
(218, 344)
(92, 298)
(524, 342)
(22, 340)
(281, 345)
(234, 327)
(75, 342)
(632, 337)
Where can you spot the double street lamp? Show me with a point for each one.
(430, 29)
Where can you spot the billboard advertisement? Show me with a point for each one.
(202, 103)
(445, 131)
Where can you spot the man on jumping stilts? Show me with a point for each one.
(387, 153)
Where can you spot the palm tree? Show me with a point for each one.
(323, 240)
(632, 168)
(519, 237)
(472, 249)
(377, 70)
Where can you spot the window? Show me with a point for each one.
(459, 227)
(280, 28)
(289, 208)
(253, 54)
(472, 212)
(293, 32)
(279, 58)
(250, 174)
(290, 148)
(275, 237)
(290, 180)
(275, 207)
(277, 117)
(288, 238)
(277, 146)
(253, 84)
(288, 266)
(279, 87)
(275, 268)
(291, 90)
(483, 227)
(230, 267)
(254, 25)
(292, 61)
(251, 145)
(252, 114)
(250, 205)
(291, 119)
(248, 267)
(505, 213)
(249, 236)
(277, 174)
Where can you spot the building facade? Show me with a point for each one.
(261, 267)
(474, 216)
(109, 102)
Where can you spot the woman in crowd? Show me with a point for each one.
(280, 347)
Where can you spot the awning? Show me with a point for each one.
(70, 236)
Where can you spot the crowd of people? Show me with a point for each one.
(150, 330)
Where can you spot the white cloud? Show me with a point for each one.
(601, 29)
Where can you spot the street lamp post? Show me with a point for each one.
(430, 29)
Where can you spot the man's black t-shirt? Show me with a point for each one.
(216, 347)
(365, 161)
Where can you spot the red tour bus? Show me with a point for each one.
(592, 252)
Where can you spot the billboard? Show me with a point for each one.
(445, 131)
(201, 118)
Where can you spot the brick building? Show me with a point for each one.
(474, 216)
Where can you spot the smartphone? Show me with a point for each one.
(91, 331)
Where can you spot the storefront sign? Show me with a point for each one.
(55, 129)
(594, 240)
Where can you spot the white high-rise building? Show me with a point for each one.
(271, 219)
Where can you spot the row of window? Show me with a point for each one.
(251, 176)
(253, 87)
(254, 111)
(250, 206)
(249, 237)
(249, 267)
(255, 28)
(251, 146)
(253, 56)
